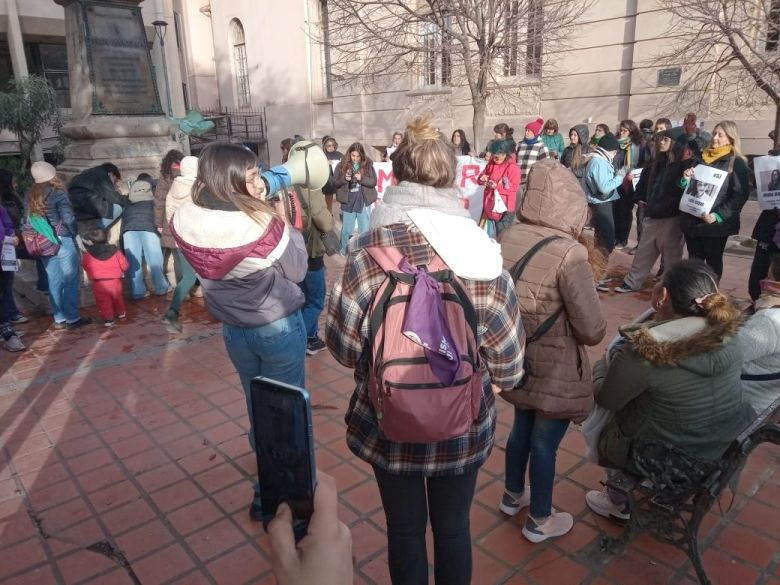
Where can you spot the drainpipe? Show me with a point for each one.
(629, 41)
(307, 33)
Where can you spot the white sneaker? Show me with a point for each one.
(603, 285)
(510, 505)
(599, 502)
(557, 524)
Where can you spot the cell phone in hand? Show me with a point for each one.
(284, 436)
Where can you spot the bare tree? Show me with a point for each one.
(731, 54)
(495, 48)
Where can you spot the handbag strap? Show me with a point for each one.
(760, 377)
(517, 271)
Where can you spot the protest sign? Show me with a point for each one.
(767, 169)
(702, 190)
(8, 257)
(466, 172)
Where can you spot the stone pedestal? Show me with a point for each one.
(116, 110)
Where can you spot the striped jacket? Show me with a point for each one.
(501, 341)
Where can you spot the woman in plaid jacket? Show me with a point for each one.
(418, 480)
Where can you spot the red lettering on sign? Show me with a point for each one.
(469, 173)
(383, 176)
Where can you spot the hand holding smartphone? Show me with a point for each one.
(285, 450)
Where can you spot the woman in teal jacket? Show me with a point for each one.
(552, 138)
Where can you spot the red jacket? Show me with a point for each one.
(100, 264)
(507, 178)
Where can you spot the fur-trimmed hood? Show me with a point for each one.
(691, 343)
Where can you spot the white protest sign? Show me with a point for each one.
(466, 172)
(635, 175)
(702, 190)
(767, 169)
(8, 257)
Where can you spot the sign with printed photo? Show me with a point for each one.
(702, 190)
(767, 169)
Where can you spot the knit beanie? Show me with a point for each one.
(189, 167)
(608, 142)
(535, 126)
(42, 172)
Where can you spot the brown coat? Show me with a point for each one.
(560, 381)
(160, 193)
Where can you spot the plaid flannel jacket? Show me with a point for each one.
(528, 154)
(501, 341)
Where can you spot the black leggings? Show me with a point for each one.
(708, 249)
(408, 500)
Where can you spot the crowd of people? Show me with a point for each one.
(499, 308)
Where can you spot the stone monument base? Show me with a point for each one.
(135, 144)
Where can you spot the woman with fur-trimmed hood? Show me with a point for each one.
(675, 379)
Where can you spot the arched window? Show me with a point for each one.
(240, 67)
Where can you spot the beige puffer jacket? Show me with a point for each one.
(560, 380)
(179, 193)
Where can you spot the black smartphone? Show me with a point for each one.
(285, 450)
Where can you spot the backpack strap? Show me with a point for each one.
(517, 271)
(388, 258)
(760, 377)
(519, 267)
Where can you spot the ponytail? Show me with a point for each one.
(718, 309)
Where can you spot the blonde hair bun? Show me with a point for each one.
(420, 129)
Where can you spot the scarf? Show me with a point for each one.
(770, 295)
(401, 198)
(600, 152)
(625, 144)
(530, 141)
(425, 323)
(42, 226)
(711, 154)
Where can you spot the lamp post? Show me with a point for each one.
(160, 28)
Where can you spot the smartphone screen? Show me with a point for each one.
(285, 450)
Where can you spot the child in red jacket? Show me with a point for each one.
(105, 266)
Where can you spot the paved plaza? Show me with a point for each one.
(124, 460)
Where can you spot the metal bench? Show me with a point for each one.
(675, 491)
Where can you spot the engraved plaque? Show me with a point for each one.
(119, 60)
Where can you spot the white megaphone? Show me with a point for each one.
(307, 165)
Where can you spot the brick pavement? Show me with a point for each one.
(124, 460)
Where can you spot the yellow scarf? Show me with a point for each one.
(712, 154)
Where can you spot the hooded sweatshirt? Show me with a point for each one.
(567, 158)
(104, 262)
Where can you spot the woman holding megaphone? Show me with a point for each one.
(355, 184)
(249, 262)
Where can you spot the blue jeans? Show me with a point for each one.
(534, 437)
(140, 245)
(116, 211)
(64, 271)
(348, 220)
(276, 351)
(313, 287)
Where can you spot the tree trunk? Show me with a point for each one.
(777, 126)
(478, 122)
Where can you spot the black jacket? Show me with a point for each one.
(139, 217)
(659, 187)
(731, 198)
(766, 224)
(92, 194)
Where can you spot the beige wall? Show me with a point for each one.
(607, 76)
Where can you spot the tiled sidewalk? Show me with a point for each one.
(124, 460)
